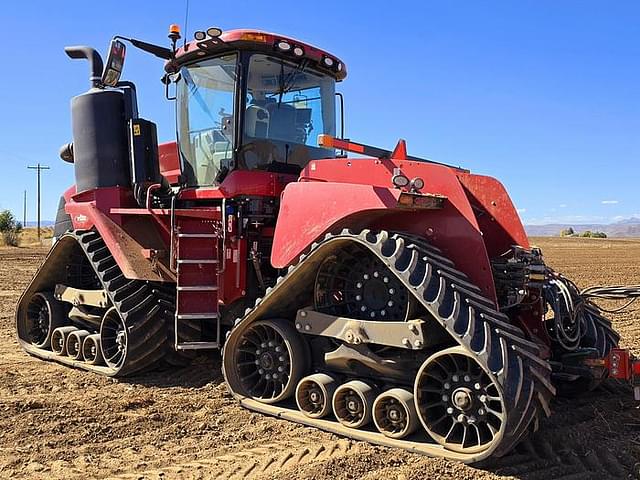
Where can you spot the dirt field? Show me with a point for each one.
(60, 423)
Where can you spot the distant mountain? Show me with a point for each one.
(629, 227)
(628, 221)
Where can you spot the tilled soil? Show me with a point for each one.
(56, 422)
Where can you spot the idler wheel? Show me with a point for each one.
(267, 361)
(394, 413)
(314, 394)
(354, 283)
(44, 314)
(458, 403)
(59, 339)
(91, 352)
(352, 403)
(113, 339)
(73, 344)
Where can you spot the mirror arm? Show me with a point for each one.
(158, 51)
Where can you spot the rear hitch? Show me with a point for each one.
(622, 365)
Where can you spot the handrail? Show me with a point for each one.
(153, 187)
(224, 236)
(172, 233)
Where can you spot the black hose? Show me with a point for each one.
(613, 292)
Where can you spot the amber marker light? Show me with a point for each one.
(328, 141)
(253, 37)
(325, 141)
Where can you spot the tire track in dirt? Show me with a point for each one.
(542, 458)
(557, 452)
(252, 463)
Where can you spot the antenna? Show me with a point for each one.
(186, 23)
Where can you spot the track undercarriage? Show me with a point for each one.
(448, 376)
(81, 311)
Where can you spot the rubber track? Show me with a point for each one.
(599, 332)
(471, 319)
(265, 461)
(145, 308)
(142, 305)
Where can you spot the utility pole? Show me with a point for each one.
(39, 168)
(24, 211)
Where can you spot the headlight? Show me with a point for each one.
(214, 32)
(417, 184)
(399, 180)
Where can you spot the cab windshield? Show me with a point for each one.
(205, 95)
(287, 106)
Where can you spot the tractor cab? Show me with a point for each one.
(249, 100)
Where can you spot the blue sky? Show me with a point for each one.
(543, 95)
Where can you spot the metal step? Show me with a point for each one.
(192, 261)
(196, 316)
(197, 345)
(198, 288)
(198, 235)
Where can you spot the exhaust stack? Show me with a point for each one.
(100, 143)
(95, 62)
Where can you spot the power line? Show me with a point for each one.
(39, 168)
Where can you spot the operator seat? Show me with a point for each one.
(282, 124)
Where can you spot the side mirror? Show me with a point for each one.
(114, 64)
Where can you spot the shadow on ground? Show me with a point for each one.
(203, 370)
(575, 442)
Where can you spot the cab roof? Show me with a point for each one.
(259, 41)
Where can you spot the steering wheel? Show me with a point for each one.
(264, 150)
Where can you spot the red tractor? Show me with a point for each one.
(383, 297)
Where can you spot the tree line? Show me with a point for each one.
(570, 232)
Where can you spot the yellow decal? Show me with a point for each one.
(136, 129)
